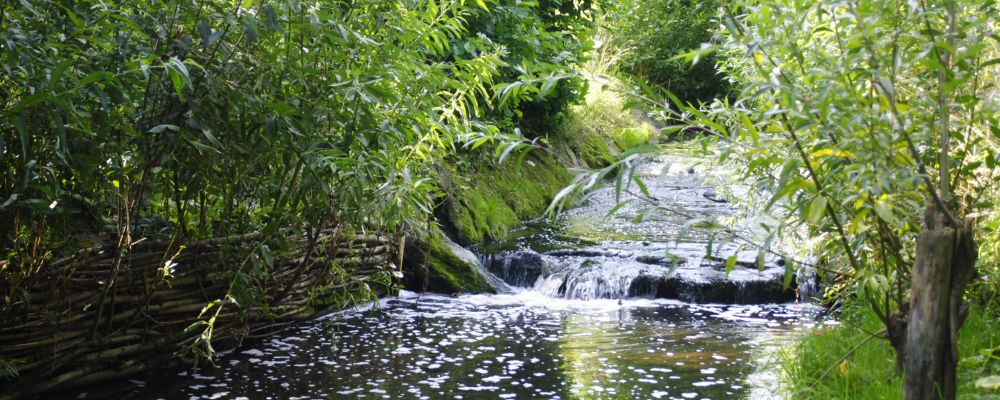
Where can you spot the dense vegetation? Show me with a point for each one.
(175, 122)
(868, 132)
(643, 38)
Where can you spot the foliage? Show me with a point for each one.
(988, 288)
(179, 121)
(541, 41)
(842, 362)
(602, 125)
(856, 117)
(860, 181)
(642, 38)
(853, 185)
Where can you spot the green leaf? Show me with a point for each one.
(28, 102)
(57, 74)
(618, 206)
(22, 130)
(816, 209)
(10, 200)
(730, 263)
(641, 185)
(250, 29)
(265, 252)
(163, 128)
(883, 208)
(202, 148)
(786, 282)
(641, 149)
(178, 75)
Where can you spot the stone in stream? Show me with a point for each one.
(450, 268)
(588, 253)
(669, 259)
(519, 268)
(713, 196)
(606, 275)
(715, 290)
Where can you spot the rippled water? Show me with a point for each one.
(522, 345)
(569, 332)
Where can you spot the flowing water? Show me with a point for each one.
(597, 307)
(524, 345)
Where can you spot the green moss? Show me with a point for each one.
(448, 273)
(497, 197)
(492, 199)
(593, 147)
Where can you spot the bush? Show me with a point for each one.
(656, 31)
(542, 40)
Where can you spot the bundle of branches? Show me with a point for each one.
(102, 313)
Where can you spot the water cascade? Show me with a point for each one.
(590, 255)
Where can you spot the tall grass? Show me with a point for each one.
(845, 362)
(603, 116)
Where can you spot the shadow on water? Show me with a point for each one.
(581, 324)
(522, 345)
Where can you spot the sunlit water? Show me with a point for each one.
(522, 345)
(574, 329)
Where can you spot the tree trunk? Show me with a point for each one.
(945, 263)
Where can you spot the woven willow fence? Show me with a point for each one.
(97, 315)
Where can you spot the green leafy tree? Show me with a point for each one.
(872, 129)
(179, 121)
(650, 34)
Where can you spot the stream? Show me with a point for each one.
(593, 306)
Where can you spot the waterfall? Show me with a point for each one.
(602, 273)
(519, 268)
(591, 276)
(808, 282)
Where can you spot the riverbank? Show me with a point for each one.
(845, 361)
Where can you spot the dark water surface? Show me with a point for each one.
(563, 334)
(523, 345)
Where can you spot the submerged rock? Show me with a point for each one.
(519, 268)
(668, 259)
(587, 253)
(725, 291)
(713, 196)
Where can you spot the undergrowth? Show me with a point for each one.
(600, 127)
(845, 362)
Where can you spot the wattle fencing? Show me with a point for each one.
(100, 315)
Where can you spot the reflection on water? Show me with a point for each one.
(522, 345)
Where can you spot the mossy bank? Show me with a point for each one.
(483, 201)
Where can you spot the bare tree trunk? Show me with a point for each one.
(945, 263)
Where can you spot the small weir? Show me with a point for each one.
(591, 307)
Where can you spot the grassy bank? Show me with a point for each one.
(843, 362)
(486, 200)
(600, 127)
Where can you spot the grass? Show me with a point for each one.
(869, 371)
(601, 127)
